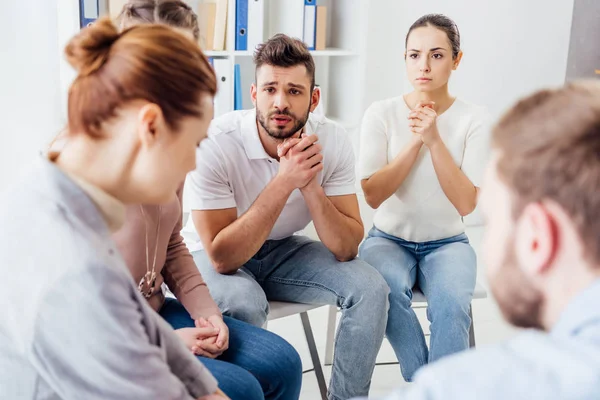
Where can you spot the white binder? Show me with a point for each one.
(224, 97)
(256, 23)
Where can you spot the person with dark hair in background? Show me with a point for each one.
(74, 325)
(542, 210)
(262, 176)
(249, 362)
(420, 164)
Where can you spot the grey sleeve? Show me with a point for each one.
(90, 342)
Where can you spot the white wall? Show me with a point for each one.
(29, 91)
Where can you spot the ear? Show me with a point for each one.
(536, 239)
(457, 60)
(253, 90)
(151, 124)
(315, 98)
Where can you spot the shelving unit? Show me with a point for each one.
(340, 68)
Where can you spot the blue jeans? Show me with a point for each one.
(258, 364)
(445, 271)
(297, 269)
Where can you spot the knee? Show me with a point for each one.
(240, 384)
(449, 307)
(250, 306)
(283, 371)
(368, 286)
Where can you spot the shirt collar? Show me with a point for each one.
(112, 210)
(252, 143)
(581, 311)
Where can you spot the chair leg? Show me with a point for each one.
(331, 326)
(314, 354)
(471, 329)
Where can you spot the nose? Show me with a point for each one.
(424, 64)
(281, 102)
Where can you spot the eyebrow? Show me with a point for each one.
(433, 49)
(275, 83)
(296, 85)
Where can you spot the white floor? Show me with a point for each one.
(489, 329)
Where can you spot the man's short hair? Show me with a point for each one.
(284, 51)
(549, 147)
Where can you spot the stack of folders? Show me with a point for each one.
(314, 32)
(249, 24)
(303, 19)
(212, 21)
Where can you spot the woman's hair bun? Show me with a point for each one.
(89, 49)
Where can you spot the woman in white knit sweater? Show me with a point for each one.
(421, 159)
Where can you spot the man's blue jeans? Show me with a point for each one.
(298, 269)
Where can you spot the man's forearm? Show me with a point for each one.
(237, 243)
(340, 233)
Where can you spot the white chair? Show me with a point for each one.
(280, 309)
(418, 301)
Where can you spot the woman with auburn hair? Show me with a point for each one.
(74, 324)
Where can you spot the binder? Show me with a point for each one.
(241, 25)
(256, 23)
(321, 36)
(310, 23)
(207, 15)
(237, 93)
(88, 12)
(220, 25)
(223, 100)
(289, 18)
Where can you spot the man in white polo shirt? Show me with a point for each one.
(262, 176)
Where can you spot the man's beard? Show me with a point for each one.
(520, 301)
(281, 133)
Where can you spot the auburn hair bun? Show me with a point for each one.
(90, 48)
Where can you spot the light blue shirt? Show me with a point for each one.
(561, 365)
(72, 322)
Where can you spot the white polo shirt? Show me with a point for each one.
(419, 210)
(233, 168)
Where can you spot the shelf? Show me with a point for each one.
(216, 53)
(316, 53)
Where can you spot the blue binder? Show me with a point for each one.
(310, 23)
(88, 12)
(237, 87)
(241, 25)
